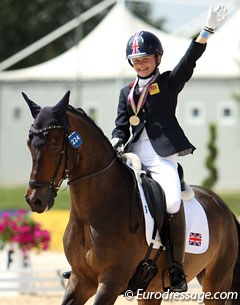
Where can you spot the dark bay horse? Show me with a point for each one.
(100, 246)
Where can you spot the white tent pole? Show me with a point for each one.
(55, 34)
(172, 2)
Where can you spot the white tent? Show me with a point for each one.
(102, 53)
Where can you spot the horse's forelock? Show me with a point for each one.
(47, 117)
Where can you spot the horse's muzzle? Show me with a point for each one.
(39, 199)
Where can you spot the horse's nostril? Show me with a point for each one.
(37, 202)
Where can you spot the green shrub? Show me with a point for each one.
(211, 158)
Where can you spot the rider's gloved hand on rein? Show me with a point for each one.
(214, 18)
(118, 145)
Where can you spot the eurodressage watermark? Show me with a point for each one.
(199, 297)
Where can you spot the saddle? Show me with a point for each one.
(153, 192)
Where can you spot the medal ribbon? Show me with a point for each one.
(143, 95)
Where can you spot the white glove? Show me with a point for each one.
(114, 142)
(118, 145)
(215, 17)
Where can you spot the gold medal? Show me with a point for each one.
(134, 120)
(151, 88)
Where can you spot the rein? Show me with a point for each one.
(101, 171)
(52, 184)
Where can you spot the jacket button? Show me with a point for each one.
(144, 121)
(143, 110)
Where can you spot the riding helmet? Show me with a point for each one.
(142, 44)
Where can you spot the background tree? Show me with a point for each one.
(236, 96)
(211, 158)
(24, 22)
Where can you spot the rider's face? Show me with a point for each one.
(144, 66)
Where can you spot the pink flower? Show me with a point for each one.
(20, 228)
(5, 214)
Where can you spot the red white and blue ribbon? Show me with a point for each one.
(143, 96)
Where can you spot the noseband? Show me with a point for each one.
(52, 184)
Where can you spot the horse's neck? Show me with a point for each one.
(104, 196)
(94, 154)
(99, 177)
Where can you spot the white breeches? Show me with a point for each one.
(163, 170)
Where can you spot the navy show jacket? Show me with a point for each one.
(158, 114)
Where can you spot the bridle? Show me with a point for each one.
(52, 183)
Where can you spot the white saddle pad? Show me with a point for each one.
(197, 230)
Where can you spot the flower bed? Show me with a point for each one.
(18, 227)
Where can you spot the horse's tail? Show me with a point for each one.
(236, 272)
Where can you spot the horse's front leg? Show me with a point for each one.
(106, 294)
(111, 284)
(79, 290)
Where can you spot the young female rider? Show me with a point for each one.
(148, 106)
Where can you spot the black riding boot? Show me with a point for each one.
(177, 231)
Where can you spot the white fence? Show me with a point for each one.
(31, 281)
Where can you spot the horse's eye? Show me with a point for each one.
(54, 146)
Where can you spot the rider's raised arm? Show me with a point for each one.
(184, 70)
(214, 18)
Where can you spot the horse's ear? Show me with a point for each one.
(61, 107)
(35, 109)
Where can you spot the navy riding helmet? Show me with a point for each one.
(142, 44)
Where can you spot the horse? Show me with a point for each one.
(104, 240)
